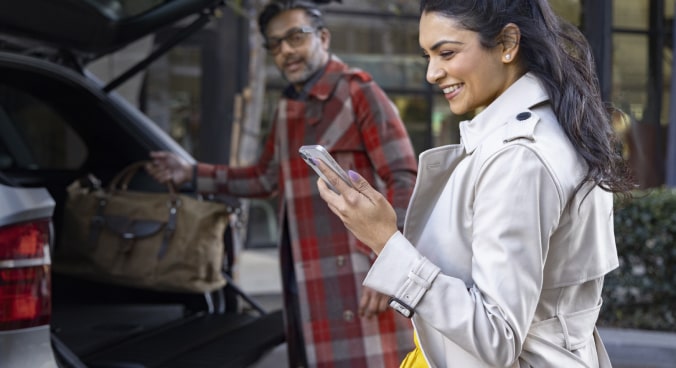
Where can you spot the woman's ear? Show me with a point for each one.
(510, 36)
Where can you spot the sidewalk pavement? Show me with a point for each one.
(257, 273)
(639, 348)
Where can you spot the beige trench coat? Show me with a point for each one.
(500, 260)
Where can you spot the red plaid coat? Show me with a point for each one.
(352, 117)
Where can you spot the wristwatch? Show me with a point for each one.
(401, 307)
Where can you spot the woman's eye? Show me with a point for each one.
(446, 54)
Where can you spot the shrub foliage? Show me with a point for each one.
(641, 293)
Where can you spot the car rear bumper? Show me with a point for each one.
(28, 347)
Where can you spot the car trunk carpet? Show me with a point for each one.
(207, 341)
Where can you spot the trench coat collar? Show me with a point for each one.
(523, 94)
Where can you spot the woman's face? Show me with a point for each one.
(469, 75)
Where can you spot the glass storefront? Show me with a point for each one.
(641, 82)
(190, 92)
(382, 38)
(173, 94)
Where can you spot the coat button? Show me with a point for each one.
(348, 316)
(340, 261)
(523, 116)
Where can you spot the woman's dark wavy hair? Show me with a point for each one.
(560, 56)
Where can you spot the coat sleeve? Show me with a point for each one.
(515, 209)
(259, 180)
(387, 142)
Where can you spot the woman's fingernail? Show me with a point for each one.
(353, 175)
(314, 161)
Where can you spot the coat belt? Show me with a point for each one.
(560, 336)
(569, 331)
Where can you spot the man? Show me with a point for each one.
(332, 321)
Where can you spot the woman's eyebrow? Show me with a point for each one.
(443, 42)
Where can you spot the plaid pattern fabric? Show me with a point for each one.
(352, 117)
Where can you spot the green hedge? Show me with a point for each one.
(641, 293)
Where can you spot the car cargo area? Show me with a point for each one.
(48, 142)
(60, 123)
(111, 326)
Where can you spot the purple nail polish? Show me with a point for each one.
(353, 175)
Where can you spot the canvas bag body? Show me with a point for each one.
(126, 237)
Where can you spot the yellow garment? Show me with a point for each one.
(415, 358)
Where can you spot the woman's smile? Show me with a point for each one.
(451, 91)
(470, 75)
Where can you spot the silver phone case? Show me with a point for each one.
(318, 152)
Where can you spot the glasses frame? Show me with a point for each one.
(274, 44)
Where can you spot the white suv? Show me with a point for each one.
(57, 124)
(25, 279)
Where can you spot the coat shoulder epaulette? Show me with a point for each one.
(521, 126)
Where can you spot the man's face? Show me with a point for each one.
(302, 50)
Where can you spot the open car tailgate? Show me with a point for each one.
(94, 27)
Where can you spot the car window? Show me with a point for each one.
(35, 136)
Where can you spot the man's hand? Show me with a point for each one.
(167, 166)
(372, 303)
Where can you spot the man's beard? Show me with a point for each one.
(303, 75)
(297, 77)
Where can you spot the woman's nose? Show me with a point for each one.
(434, 73)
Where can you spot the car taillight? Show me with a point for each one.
(25, 277)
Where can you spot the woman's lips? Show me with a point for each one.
(452, 91)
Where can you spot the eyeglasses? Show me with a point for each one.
(294, 38)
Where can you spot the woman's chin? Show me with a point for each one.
(457, 110)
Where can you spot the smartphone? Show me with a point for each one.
(318, 152)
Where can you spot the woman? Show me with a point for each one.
(509, 234)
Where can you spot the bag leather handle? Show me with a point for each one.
(120, 183)
(122, 179)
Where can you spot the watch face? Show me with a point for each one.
(400, 307)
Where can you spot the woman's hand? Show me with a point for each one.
(363, 210)
(167, 166)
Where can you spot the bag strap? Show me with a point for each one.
(123, 178)
(97, 222)
(121, 182)
(169, 229)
